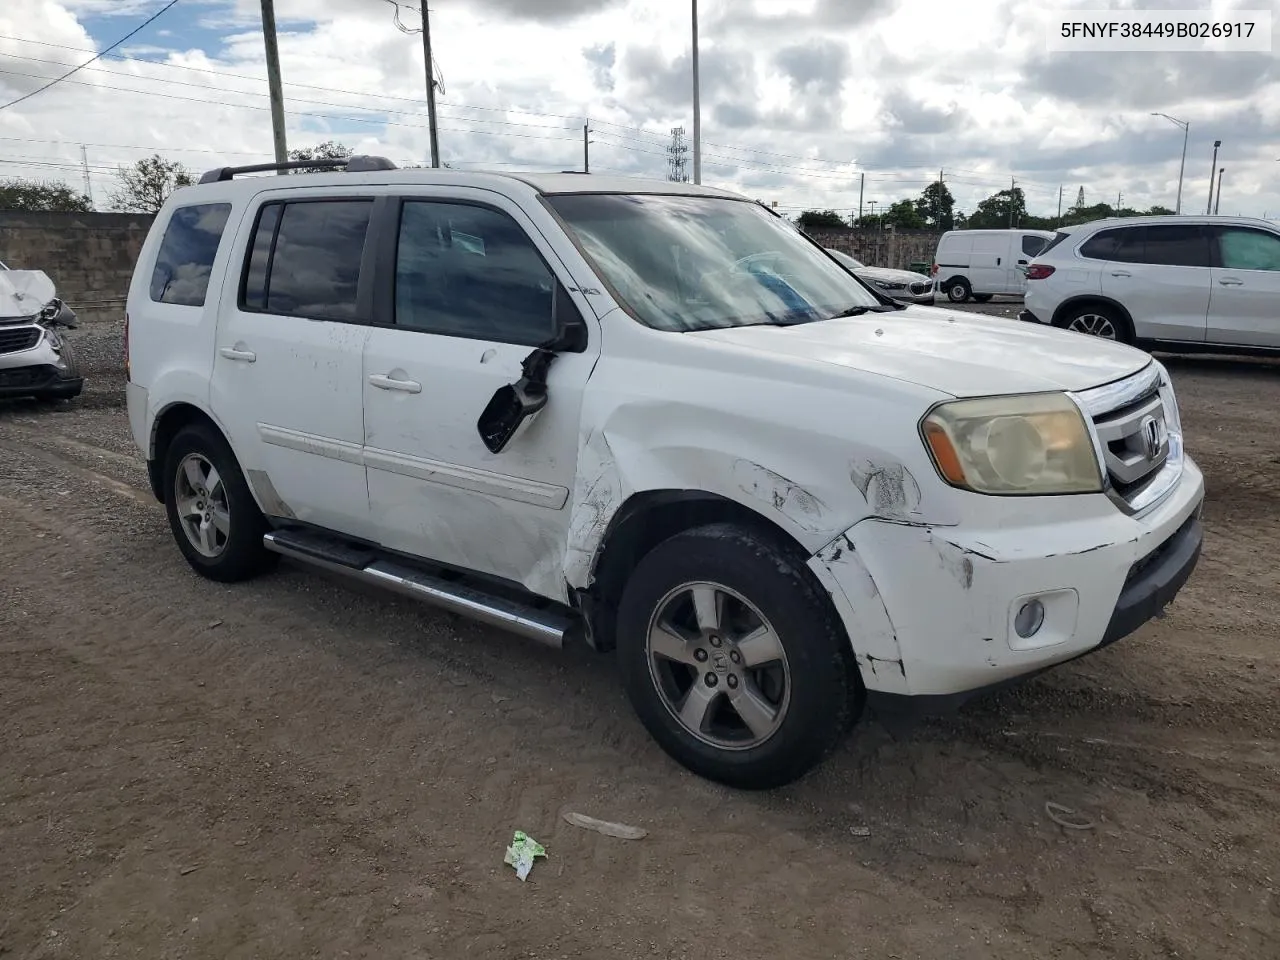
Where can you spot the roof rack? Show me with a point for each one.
(357, 164)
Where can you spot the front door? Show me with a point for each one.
(287, 365)
(1244, 303)
(466, 294)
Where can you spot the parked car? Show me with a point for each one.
(35, 359)
(899, 284)
(657, 417)
(1190, 283)
(979, 264)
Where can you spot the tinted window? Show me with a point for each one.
(1102, 245)
(185, 261)
(1243, 249)
(1033, 246)
(1130, 245)
(471, 272)
(313, 268)
(1177, 246)
(1057, 239)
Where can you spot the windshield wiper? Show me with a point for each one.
(860, 310)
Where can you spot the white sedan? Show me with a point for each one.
(899, 284)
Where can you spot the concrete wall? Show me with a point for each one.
(897, 249)
(89, 256)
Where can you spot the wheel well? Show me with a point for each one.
(645, 521)
(955, 278)
(163, 431)
(1095, 301)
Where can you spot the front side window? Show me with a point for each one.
(185, 261)
(1177, 246)
(1243, 249)
(304, 259)
(703, 263)
(467, 271)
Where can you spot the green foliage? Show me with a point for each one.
(41, 196)
(145, 186)
(821, 220)
(329, 150)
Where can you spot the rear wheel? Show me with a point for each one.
(958, 290)
(215, 521)
(734, 658)
(1097, 320)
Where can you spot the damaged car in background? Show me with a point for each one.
(659, 419)
(36, 359)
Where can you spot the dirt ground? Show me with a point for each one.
(293, 768)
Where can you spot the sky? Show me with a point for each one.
(804, 103)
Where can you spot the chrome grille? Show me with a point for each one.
(919, 288)
(21, 338)
(1138, 436)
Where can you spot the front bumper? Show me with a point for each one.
(39, 369)
(931, 610)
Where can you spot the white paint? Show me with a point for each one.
(814, 428)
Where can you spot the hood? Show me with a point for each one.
(963, 354)
(892, 276)
(24, 293)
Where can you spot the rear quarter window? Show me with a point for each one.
(187, 251)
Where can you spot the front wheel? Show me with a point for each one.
(734, 659)
(211, 510)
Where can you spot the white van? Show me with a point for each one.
(983, 263)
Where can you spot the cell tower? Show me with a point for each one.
(677, 156)
(1080, 199)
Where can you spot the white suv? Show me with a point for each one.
(658, 417)
(1186, 283)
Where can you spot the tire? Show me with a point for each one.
(958, 290)
(228, 551)
(1096, 320)
(805, 692)
(982, 297)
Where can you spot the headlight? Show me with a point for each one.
(889, 285)
(1035, 444)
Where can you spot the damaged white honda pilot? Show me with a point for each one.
(659, 418)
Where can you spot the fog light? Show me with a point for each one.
(1030, 619)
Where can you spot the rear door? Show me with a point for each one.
(1161, 275)
(1244, 302)
(287, 378)
(989, 263)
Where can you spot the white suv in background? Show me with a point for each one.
(659, 418)
(1185, 283)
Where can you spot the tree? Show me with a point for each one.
(145, 186)
(329, 150)
(904, 214)
(821, 220)
(936, 207)
(993, 212)
(44, 196)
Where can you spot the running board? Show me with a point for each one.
(548, 627)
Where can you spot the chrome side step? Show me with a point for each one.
(548, 627)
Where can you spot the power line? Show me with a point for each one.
(96, 56)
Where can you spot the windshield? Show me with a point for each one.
(847, 260)
(705, 263)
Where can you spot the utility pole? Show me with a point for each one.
(586, 155)
(1013, 185)
(697, 109)
(431, 86)
(1059, 206)
(1213, 167)
(861, 185)
(1218, 201)
(1119, 201)
(88, 184)
(273, 81)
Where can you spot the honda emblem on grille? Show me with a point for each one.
(1152, 437)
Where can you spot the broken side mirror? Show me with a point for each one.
(515, 406)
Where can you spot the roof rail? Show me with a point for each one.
(357, 164)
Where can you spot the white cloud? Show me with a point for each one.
(793, 92)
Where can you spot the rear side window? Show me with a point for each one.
(304, 260)
(185, 261)
(1177, 246)
(1102, 245)
(1244, 249)
(1034, 246)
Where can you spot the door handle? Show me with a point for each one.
(997, 261)
(389, 383)
(1121, 273)
(1022, 263)
(244, 356)
(1231, 282)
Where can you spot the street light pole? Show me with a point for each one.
(1217, 202)
(1213, 169)
(697, 111)
(1186, 130)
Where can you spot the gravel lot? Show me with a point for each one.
(296, 768)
